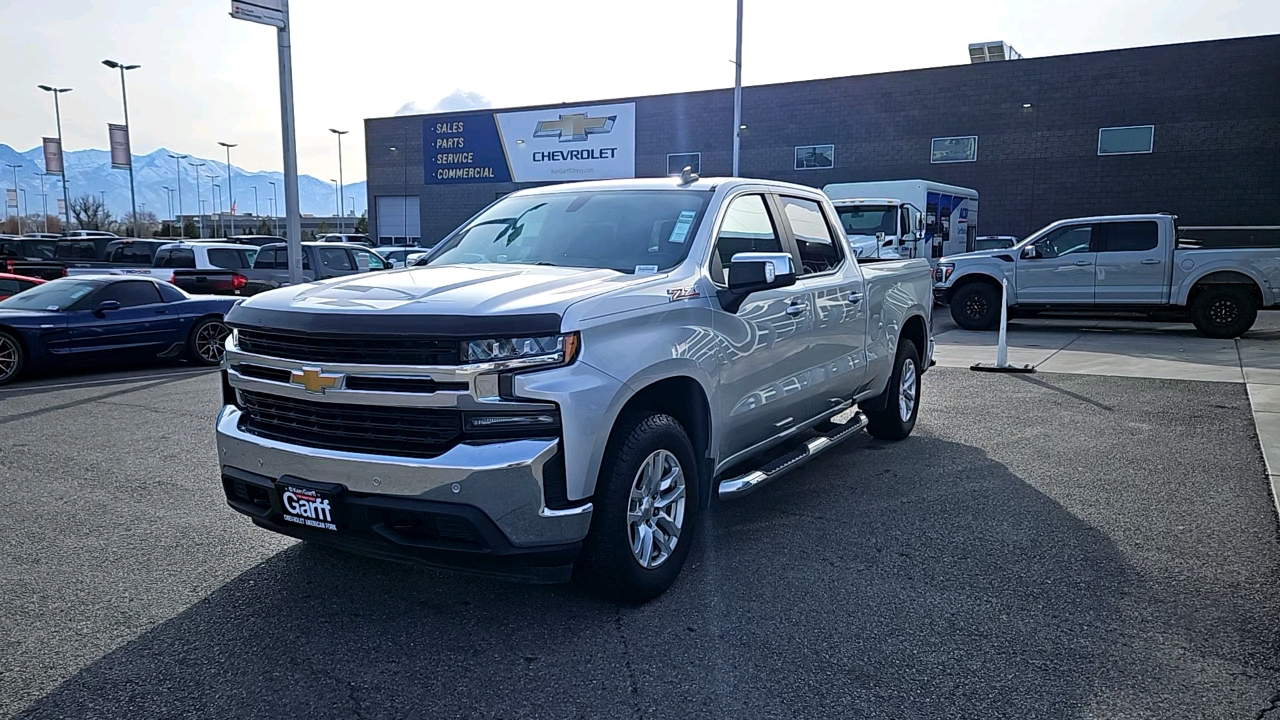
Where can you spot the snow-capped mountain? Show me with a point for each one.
(90, 172)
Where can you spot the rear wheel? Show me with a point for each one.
(898, 417)
(12, 358)
(207, 341)
(646, 510)
(1223, 311)
(976, 306)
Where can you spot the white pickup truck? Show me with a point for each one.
(1114, 264)
(570, 379)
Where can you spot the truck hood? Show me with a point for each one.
(471, 297)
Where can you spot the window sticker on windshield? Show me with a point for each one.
(646, 269)
(681, 230)
(52, 307)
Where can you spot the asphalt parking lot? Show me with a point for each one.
(1043, 547)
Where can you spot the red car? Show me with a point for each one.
(14, 284)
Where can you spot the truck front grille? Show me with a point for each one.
(380, 430)
(351, 349)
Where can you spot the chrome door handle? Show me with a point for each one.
(1083, 263)
(855, 298)
(797, 309)
(1151, 261)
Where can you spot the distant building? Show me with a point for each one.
(246, 224)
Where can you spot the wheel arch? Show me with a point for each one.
(977, 276)
(682, 397)
(1223, 277)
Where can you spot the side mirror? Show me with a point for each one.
(1030, 252)
(752, 272)
(105, 306)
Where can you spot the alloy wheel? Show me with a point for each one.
(10, 354)
(1224, 312)
(655, 512)
(976, 307)
(907, 391)
(211, 341)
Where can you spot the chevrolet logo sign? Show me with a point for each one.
(574, 128)
(313, 380)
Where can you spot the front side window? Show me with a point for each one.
(1066, 241)
(132, 254)
(1130, 236)
(747, 227)
(9, 287)
(335, 259)
(78, 250)
(266, 260)
(815, 157)
(226, 259)
(130, 293)
(818, 251)
(176, 258)
(630, 231)
(1137, 139)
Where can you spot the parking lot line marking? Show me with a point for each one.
(104, 381)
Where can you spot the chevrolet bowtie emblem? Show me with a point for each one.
(574, 128)
(313, 380)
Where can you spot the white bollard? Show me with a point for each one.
(1002, 345)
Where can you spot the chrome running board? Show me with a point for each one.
(738, 486)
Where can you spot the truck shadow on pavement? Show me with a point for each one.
(920, 579)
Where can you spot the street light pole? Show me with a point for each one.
(275, 208)
(57, 114)
(216, 191)
(177, 167)
(231, 198)
(168, 193)
(24, 209)
(44, 204)
(133, 196)
(199, 200)
(737, 93)
(337, 207)
(342, 211)
(255, 201)
(15, 195)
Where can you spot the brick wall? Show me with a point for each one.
(1215, 105)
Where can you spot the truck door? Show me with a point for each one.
(1132, 267)
(835, 363)
(763, 344)
(1062, 269)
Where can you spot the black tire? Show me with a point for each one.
(608, 567)
(205, 332)
(976, 306)
(12, 357)
(1223, 311)
(889, 423)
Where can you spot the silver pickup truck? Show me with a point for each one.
(570, 380)
(1114, 264)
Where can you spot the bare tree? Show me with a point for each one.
(147, 223)
(90, 213)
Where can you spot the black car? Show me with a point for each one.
(103, 319)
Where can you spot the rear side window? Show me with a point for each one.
(176, 258)
(132, 253)
(818, 250)
(226, 259)
(1130, 236)
(266, 260)
(367, 260)
(77, 250)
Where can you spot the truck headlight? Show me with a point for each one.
(526, 351)
(942, 273)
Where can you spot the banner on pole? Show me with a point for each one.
(119, 139)
(265, 12)
(52, 155)
(11, 197)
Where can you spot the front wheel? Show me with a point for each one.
(207, 341)
(976, 306)
(12, 358)
(898, 417)
(1223, 311)
(646, 510)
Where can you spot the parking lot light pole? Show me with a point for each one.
(275, 208)
(15, 194)
(168, 193)
(57, 114)
(255, 201)
(231, 199)
(133, 196)
(341, 210)
(336, 202)
(737, 93)
(215, 192)
(44, 204)
(24, 209)
(199, 197)
(177, 166)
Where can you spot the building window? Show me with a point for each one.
(954, 149)
(814, 157)
(677, 162)
(398, 218)
(1133, 140)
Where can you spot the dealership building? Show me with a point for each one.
(1192, 129)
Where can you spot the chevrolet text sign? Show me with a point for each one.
(595, 142)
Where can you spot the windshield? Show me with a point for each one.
(56, 295)
(631, 231)
(868, 219)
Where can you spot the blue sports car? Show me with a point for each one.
(109, 319)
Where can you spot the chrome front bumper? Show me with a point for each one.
(502, 480)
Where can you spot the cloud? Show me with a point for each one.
(453, 102)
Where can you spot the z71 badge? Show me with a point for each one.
(686, 293)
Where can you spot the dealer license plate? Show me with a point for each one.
(307, 506)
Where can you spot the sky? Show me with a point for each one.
(207, 78)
